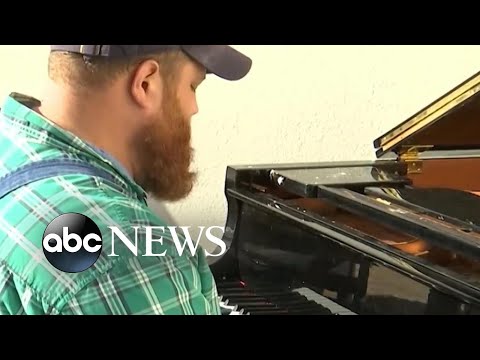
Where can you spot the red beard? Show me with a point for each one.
(165, 154)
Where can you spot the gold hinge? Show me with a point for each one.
(410, 155)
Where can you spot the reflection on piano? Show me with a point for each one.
(398, 235)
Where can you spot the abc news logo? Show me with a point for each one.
(73, 242)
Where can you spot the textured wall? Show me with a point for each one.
(299, 103)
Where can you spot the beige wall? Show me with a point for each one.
(299, 103)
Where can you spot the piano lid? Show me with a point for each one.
(452, 122)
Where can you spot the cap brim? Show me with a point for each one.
(221, 60)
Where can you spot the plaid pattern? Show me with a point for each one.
(123, 284)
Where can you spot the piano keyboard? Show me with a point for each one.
(237, 299)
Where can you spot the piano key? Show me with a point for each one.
(324, 301)
(269, 312)
(237, 313)
(258, 305)
(229, 284)
(231, 309)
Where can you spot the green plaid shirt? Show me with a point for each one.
(125, 284)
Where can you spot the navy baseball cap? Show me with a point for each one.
(221, 60)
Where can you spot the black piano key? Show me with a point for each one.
(252, 304)
(229, 294)
(244, 297)
(269, 312)
(319, 310)
(305, 306)
(272, 310)
(278, 294)
(225, 311)
(291, 301)
(230, 284)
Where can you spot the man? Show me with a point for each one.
(113, 126)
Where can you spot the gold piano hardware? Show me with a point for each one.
(448, 123)
(448, 128)
(410, 155)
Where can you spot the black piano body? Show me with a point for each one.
(396, 235)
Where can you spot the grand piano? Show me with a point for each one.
(396, 235)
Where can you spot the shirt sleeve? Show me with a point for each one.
(160, 285)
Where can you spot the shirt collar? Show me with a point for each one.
(19, 107)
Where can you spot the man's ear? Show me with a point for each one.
(146, 86)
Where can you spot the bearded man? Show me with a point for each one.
(76, 234)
